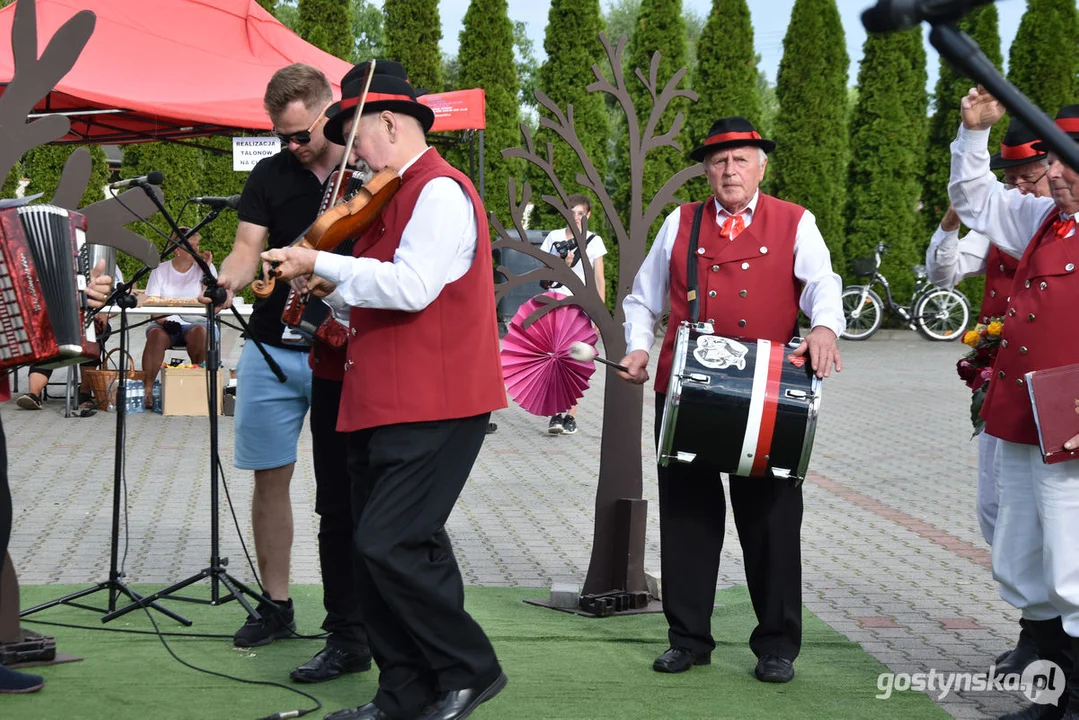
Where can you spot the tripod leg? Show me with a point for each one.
(238, 589)
(152, 599)
(144, 602)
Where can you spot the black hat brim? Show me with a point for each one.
(335, 122)
(998, 162)
(699, 154)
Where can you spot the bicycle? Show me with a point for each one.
(936, 313)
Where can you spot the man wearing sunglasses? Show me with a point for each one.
(281, 198)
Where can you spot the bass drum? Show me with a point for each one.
(745, 407)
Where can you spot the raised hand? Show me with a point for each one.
(980, 109)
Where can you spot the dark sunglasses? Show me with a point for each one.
(301, 138)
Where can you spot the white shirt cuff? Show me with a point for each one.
(969, 140)
(332, 266)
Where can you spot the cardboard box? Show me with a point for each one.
(183, 391)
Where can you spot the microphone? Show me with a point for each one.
(232, 202)
(154, 178)
(892, 15)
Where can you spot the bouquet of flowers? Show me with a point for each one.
(976, 367)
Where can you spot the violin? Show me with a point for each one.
(350, 214)
(343, 221)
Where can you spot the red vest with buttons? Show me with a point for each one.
(1039, 331)
(440, 363)
(746, 286)
(1000, 270)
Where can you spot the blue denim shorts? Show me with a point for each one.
(269, 414)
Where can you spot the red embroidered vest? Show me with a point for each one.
(1039, 331)
(1000, 270)
(746, 286)
(440, 363)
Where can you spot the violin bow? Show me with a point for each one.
(352, 132)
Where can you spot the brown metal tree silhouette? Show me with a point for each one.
(617, 561)
(34, 78)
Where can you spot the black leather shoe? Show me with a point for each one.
(1016, 660)
(677, 660)
(458, 704)
(329, 663)
(774, 669)
(370, 711)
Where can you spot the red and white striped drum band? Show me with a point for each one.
(746, 407)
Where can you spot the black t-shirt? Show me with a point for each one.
(282, 195)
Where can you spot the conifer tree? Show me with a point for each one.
(983, 26)
(661, 28)
(725, 77)
(268, 5)
(809, 164)
(412, 33)
(571, 41)
(486, 61)
(327, 24)
(43, 166)
(1044, 58)
(888, 134)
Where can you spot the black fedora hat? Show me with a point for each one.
(1017, 147)
(1068, 121)
(390, 90)
(731, 132)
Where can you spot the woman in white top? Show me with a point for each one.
(561, 242)
(180, 278)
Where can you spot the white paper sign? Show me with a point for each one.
(247, 151)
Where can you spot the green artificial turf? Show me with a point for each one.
(560, 666)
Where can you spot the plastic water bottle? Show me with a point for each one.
(156, 392)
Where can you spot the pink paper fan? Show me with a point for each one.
(536, 365)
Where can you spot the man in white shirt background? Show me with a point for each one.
(949, 260)
(562, 243)
(180, 278)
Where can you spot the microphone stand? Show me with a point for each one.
(121, 297)
(216, 571)
(963, 54)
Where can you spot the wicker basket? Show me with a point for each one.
(864, 267)
(102, 383)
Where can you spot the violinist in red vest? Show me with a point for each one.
(761, 260)
(421, 378)
(1035, 558)
(949, 260)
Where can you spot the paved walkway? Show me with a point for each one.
(892, 553)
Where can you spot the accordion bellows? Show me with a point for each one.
(43, 276)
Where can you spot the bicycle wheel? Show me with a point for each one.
(864, 316)
(941, 314)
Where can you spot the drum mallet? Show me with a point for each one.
(584, 352)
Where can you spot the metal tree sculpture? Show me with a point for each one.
(617, 561)
(34, 78)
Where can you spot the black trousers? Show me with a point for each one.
(406, 480)
(333, 503)
(768, 515)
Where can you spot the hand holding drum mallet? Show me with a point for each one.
(584, 352)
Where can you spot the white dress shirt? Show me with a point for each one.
(949, 260)
(820, 299)
(437, 247)
(1008, 217)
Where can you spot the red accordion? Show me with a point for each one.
(43, 277)
(314, 319)
(309, 315)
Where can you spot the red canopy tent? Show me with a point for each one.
(173, 69)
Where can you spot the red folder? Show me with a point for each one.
(1054, 395)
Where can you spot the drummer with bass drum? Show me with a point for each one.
(758, 260)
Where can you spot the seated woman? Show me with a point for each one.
(180, 278)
